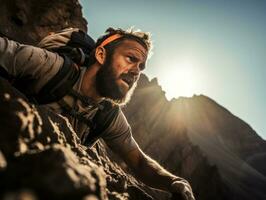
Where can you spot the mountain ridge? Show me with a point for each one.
(227, 141)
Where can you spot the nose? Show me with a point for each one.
(135, 70)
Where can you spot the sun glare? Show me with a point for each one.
(180, 80)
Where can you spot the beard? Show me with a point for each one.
(107, 83)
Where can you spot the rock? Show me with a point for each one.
(3, 163)
(55, 173)
(41, 152)
(20, 195)
(28, 21)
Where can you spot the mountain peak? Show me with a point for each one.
(226, 141)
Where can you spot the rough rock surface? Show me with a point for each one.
(28, 21)
(196, 138)
(40, 152)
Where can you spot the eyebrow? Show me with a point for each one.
(144, 56)
(143, 64)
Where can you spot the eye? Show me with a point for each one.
(131, 59)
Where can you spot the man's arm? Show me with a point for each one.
(148, 170)
(154, 175)
(20, 61)
(119, 138)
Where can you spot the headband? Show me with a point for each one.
(110, 39)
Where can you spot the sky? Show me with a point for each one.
(212, 47)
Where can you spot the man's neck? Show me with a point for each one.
(88, 85)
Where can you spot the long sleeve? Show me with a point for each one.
(25, 61)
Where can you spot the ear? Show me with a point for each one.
(100, 54)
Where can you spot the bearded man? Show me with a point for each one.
(91, 96)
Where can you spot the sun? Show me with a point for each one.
(180, 80)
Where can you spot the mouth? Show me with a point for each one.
(128, 80)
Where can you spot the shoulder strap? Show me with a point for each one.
(60, 84)
(84, 99)
(74, 113)
(105, 115)
(102, 120)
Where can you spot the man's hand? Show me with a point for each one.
(153, 175)
(181, 190)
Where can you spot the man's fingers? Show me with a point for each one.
(181, 185)
(178, 186)
(184, 188)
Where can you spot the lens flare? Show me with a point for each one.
(181, 80)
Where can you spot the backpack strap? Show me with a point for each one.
(102, 120)
(84, 99)
(72, 42)
(60, 84)
(74, 113)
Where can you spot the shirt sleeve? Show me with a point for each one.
(119, 135)
(20, 61)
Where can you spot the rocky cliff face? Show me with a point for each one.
(187, 132)
(28, 21)
(41, 157)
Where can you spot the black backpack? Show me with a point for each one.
(72, 42)
(75, 46)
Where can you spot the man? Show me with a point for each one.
(115, 65)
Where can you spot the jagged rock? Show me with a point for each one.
(20, 195)
(41, 152)
(28, 21)
(3, 162)
(55, 173)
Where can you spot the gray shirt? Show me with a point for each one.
(41, 65)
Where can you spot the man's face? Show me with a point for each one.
(117, 77)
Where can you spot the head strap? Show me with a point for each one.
(110, 39)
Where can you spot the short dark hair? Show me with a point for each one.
(144, 38)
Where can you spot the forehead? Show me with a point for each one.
(132, 45)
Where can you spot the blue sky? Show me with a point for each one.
(211, 47)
